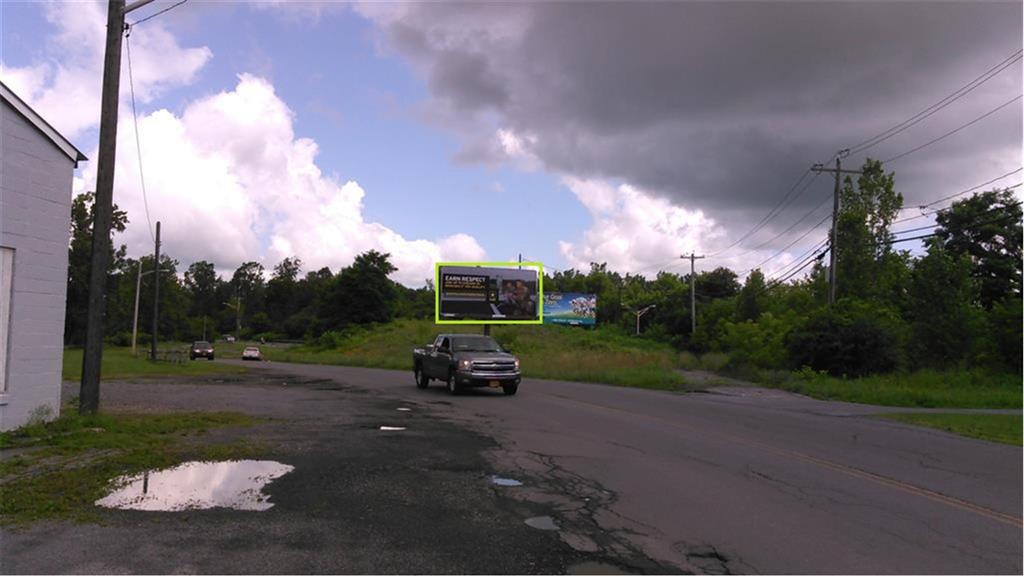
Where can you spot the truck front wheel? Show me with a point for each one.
(510, 389)
(421, 378)
(453, 387)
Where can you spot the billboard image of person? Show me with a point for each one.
(571, 308)
(491, 293)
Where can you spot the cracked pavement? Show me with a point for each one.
(636, 480)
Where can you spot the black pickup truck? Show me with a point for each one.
(464, 361)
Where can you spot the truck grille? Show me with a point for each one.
(494, 366)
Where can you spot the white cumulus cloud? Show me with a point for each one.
(231, 182)
(64, 85)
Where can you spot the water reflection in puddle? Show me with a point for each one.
(505, 481)
(542, 523)
(198, 486)
(392, 428)
(404, 409)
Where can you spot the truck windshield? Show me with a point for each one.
(475, 344)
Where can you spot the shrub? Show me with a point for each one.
(852, 339)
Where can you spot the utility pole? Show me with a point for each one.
(156, 294)
(135, 322)
(89, 395)
(693, 291)
(833, 240)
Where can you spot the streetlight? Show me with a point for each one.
(640, 313)
(138, 287)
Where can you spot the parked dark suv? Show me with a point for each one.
(200, 349)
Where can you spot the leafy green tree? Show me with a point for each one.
(1006, 329)
(249, 286)
(863, 237)
(987, 228)
(947, 328)
(281, 294)
(201, 283)
(361, 293)
(749, 303)
(79, 264)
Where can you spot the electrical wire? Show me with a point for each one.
(774, 211)
(1010, 173)
(154, 15)
(951, 132)
(138, 143)
(922, 115)
(787, 230)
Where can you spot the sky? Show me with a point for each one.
(568, 132)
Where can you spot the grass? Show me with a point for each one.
(58, 469)
(1005, 428)
(923, 389)
(118, 362)
(603, 355)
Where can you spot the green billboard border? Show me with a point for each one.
(540, 291)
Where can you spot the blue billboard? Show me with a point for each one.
(571, 308)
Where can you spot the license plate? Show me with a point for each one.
(494, 384)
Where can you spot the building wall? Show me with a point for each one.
(35, 213)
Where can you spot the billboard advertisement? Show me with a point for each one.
(571, 308)
(488, 293)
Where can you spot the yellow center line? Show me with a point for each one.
(835, 466)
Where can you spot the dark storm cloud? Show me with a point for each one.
(720, 106)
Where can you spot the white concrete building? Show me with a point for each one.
(37, 166)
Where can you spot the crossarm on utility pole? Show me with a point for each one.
(833, 240)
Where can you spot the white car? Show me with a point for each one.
(251, 353)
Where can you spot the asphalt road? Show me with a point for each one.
(748, 481)
(745, 480)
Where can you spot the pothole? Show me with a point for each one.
(591, 567)
(542, 523)
(198, 486)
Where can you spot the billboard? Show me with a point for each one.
(570, 308)
(488, 293)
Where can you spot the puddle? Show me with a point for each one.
(392, 428)
(404, 409)
(592, 567)
(198, 486)
(505, 481)
(542, 523)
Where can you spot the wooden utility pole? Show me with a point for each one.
(89, 394)
(833, 240)
(156, 294)
(693, 291)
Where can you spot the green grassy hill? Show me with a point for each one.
(603, 355)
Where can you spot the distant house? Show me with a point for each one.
(36, 170)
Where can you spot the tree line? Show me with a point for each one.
(956, 305)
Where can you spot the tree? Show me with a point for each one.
(946, 327)
(749, 302)
(863, 236)
(79, 263)
(201, 282)
(281, 292)
(250, 289)
(361, 293)
(987, 228)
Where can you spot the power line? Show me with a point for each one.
(787, 230)
(790, 245)
(922, 115)
(951, 132)
(135, 119)
(773, 212)
(151, 16)
(983, 184)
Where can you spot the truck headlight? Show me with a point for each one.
(517, 363)
(465, 365)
